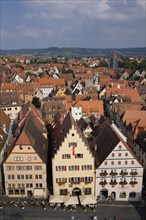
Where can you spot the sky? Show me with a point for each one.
(72, 23)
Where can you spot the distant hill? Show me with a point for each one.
(75, 52)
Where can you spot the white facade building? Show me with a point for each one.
(119, 174)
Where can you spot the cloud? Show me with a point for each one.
(33, 32)
(29, 31)
(4, 33)
(93, 9)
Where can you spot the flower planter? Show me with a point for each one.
(133, 173)
(113, 183)
(133, 183)
(113, 173)
(103, 174)
(103, 183)
(123, 173)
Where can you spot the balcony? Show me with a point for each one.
(123, 173)
(134, 173)
(113, 183)
(103, 183)
(123, 183)
(133, 183)
(104, 173)
(112, 173)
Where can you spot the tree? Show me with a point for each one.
(134, 64)
(142, 65)
(103, 63)
(36, 102)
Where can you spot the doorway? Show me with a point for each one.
(76, 192)
(104, 194)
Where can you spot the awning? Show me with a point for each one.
(70, 200)
(56, 199)
(88, 200)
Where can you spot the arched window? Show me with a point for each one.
(132, 195)
(122, 195)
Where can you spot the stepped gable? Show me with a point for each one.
(61, 132)
(105, 142)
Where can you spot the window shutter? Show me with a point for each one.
(90, 167)
(82, 167)
(56, 180)
(56, 168)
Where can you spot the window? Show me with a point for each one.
(112, 162)
(74, 179)
(119, 162)
(38, 185)
(9, 167)
(18, 177)
(78, 155)
(113, 154)
(63, 191)
(38, 176)
(66, 156)
(105, 163)
(29, 158)
(60, 168)
(126, 154)
(126, 162)
(73, 144)
(29, 185)
(11, 177)
(87, 191)
(88, 179)
(37, 167)
(21, 148)
(18, 158)
(61, 180)
(16, 192)
(74, 167)
(87, 167)
(23, 167)
(22, 191)
(22, 176)
(72, 134)
(122, 195)
(119, 154)
(132, 195)
(10, 192)
(132, 162)
(120, 146)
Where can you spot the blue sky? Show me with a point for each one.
(72, 23)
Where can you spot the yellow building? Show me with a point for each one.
(72, 160)
(25, 167)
